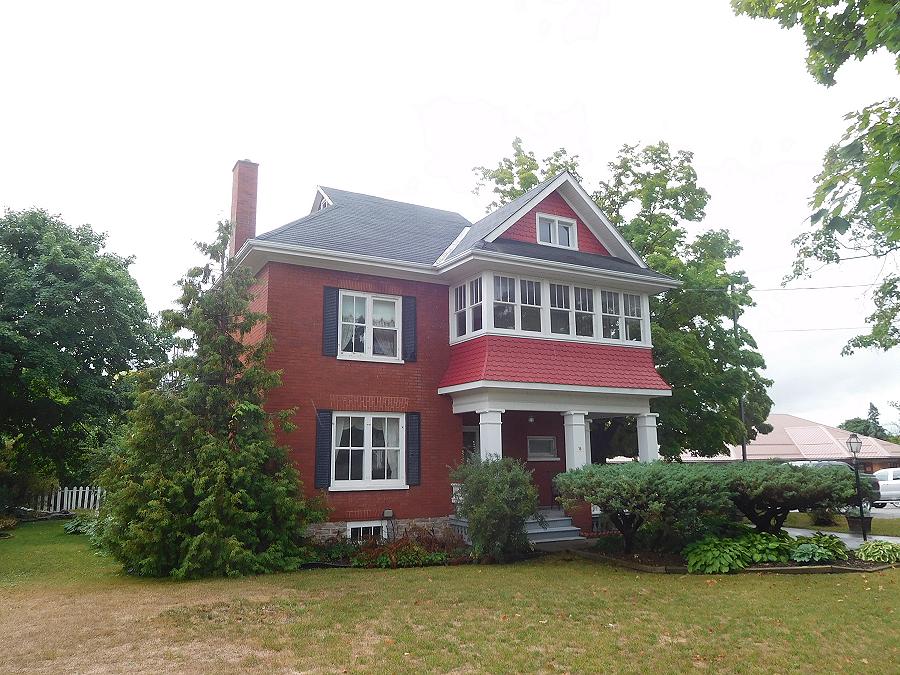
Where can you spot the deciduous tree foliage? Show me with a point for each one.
(72, 319)
(201, 488)
(649, 195)
(856, 204)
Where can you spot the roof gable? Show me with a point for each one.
(525, 229)
(495, 224)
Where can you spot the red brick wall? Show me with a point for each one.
(517, 429)
(312, 381)
(525, 229)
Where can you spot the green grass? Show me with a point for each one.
(66, 609)
(883, 526)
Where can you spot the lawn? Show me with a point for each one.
(883, 526)
(66, 609)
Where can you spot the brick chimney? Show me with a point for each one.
(243, 203)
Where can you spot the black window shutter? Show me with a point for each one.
(413, 448)
(323, 449)
(330, 322)
(409, 328)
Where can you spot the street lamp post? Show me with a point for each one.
(854, 445)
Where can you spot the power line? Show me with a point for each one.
(780, 288)
(810, 330)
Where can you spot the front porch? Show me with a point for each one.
(549, 429)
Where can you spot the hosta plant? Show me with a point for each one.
(835, 546)
(764, 547)
(879, 551)
(809, 553)
(714, 555)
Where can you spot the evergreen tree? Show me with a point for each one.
(200, 487)
(870, 426)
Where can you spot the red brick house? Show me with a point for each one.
(406, 334)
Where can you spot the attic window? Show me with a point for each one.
(324, 204)
(556, 231)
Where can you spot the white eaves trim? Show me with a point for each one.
(452, 247)
(589, 203)
(542, 386)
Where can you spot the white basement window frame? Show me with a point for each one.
(362, 530)
(368, 451)
(556, 231)
(370, 327)
(542, 449)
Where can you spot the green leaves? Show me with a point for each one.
(716, 556)
(879, 551)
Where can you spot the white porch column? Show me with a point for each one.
(587, 440)
(574, 423)
(490, 433)
(648, 446)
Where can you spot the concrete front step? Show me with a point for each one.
(535, 526)
(557, 528)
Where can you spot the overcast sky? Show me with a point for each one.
(131, 117)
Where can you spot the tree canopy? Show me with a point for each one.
(200, 487)
(856, 203)
(72, 320)
(650, 194)
(870, 425)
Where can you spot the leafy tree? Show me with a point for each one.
(856, 204)
(72, 319)
(651, 192)
(835, 30)
(496, 496)
(201, 488)
(870, 426)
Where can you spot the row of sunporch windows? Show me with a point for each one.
(564, 309)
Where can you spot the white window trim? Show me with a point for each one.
(368, 483)
(487, 292)
(368, 355)
(554, 231)
(366, 523)
(541, 458)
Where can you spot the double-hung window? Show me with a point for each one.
(612, 329)
(370, 326)
(530, 310)
(556, 231)
(368, 451)
(504, 302)
(459, 309)
(475, 298)
(559, 309)
(584, 312)
(633, 317)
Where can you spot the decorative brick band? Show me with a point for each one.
(355, 403)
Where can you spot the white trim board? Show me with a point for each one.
(542, 386)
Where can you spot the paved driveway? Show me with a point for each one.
(852, 540)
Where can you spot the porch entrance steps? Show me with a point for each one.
(557, 529)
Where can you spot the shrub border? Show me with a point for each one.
(682, 569)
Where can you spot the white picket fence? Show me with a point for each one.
(69, 499)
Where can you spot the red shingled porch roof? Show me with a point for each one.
(510, 359)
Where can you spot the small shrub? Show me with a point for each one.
(496, 496)
(83, 522)
(714, 555)
(401, 552)
(834, 544)
(7, 523)
(879, 551)
(808, 553)
(763, 547)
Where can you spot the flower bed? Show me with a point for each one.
(416, 547)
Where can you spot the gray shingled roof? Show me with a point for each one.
(489, 223)
(366, 225)
(562, 255)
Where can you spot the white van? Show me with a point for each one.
(889, 482)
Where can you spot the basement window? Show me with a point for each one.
(365, 529)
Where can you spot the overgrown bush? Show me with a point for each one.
(715, 555)
(200, 487)
(496, 496)
(674, 503)
(765, 492)
(879, 551)
(7, 522)
(763, 547)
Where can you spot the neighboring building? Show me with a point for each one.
(794, 438)
(406, 334)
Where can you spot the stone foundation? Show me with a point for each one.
(396, 528)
